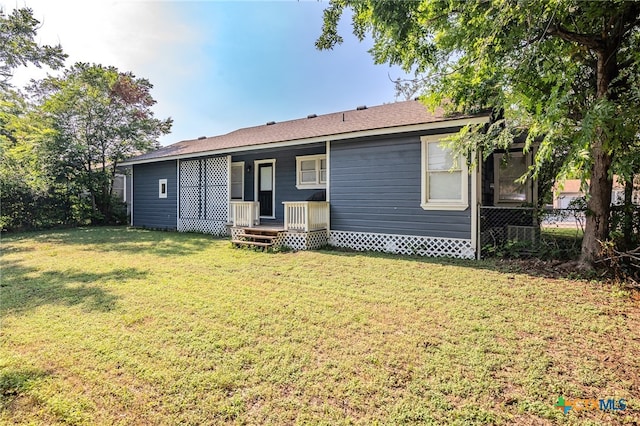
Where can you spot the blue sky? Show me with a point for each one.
(219, 66)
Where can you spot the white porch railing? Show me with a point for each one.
(245, 213)
(306, 215)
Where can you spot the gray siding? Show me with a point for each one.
(375, 186)
(285, 174)
(149, 210)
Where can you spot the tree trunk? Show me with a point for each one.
(627, 221)
(598, 206)
(600, 186)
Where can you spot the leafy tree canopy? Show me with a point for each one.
(18, 46)
(564, 70)
(100, 116)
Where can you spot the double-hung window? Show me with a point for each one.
(237, 181)
(311, 172)
(445, 180)
(507, 171)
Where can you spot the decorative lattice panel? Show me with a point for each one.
(403, 244)
(190, 173)
(217, 171)
(215, 209)
(235, 232)
(189, 202)
(317, 239)
(213, 227)
(204, 195)
(302, 240)
(189, 190)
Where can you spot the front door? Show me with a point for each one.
(266, 188)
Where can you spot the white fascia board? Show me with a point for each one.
(459, 122)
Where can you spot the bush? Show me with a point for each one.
(23, 208)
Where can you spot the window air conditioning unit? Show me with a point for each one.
(522, 233)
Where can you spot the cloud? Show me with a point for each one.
(153, 40)
(126, 34)
(215, 66)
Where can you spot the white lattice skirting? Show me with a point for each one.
(302, 240)
(214, 227)
(235, 232)
(293, 240)
(403, 244)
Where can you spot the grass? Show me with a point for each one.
(558, 232)
(121, 326)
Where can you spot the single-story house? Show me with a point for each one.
(372, 178)
(571, 189)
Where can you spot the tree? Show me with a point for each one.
(24, 189)
(561, 69)
(18, 48)
(100, 116)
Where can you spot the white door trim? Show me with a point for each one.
(256, 184)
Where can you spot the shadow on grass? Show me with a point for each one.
(15, 382)
(134, 241)
(125, 240)
(26, 288)
(532, 266)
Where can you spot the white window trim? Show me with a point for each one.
(497, 160)
(241, 165)
(166, 188)
(454, 205)
(317, 184)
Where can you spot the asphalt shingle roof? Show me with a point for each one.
(372, 118)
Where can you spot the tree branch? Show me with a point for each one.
(629, 26)
(591, 41)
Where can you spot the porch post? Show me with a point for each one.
(286, 217)
(307, 214)
(233, 214)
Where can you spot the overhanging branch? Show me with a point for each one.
(591, 41)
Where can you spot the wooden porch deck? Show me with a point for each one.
(274, 227)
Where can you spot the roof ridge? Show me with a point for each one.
(317, 116)
(378, 119)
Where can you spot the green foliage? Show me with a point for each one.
(59, 154)
(549, 246)
(18, 46)
(628, 215)
(567, 71)
(27, 196)
(99, 117)
(27, 199)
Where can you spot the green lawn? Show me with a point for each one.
(120, 326)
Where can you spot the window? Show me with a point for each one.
(237, 181)
(444, 178)
(507, 172)
(311, 172)
(162, 188)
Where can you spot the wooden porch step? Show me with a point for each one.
(259, 231)
(259, 237)
(251, 243)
